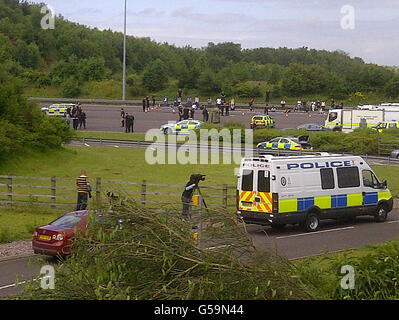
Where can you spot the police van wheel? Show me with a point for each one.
(312, 222)
(381, 214)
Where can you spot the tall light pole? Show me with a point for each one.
(124, 57)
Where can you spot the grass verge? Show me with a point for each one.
(20, 223)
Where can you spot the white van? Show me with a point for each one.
(349, 119)
(305, 189)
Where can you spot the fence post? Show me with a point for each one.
(9, 188)
(225, 196)
(98, 192)
(53, 190)
(143, 192)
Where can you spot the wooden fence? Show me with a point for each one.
(62, 192)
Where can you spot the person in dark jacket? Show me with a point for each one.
(185, 113)
(147, 102)
(187, 196)
(144, 104)
(205, 114)
(82, 120)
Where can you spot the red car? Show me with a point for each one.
(55, 238)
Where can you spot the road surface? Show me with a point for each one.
(107, 118)
(291, 242)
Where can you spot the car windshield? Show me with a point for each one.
(67, 221)
(258, 118)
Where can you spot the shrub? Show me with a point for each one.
(154, 256)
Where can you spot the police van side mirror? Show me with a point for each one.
(384, 184)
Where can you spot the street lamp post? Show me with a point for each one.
(124, 57)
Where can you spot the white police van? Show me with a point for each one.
(306, 189)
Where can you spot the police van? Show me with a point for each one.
(306, 189)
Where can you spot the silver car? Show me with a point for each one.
(395, 154)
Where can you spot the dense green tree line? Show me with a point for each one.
(71, 55)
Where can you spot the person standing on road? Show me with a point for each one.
(185, 113)
(144, 104)
(227, 109)
(251, 103)
(122, 117)
(82, 120)
(232, 104)
(180, 108)
(205, 114)
(84, 191)
(147, 102)
(128, 123)
(153, 101)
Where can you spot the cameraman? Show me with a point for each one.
(188, 193)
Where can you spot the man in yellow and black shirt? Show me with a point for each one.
(84, 189)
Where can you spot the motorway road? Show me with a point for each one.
(291, 242)
(107, 118)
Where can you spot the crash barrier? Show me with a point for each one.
(62, 192)
(138, 102)
(386, 146)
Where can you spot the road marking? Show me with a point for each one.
(312, 233)
(396, 221)
(218, 247)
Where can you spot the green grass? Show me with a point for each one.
(389, 173)
(111, 135)
(19, 224)
(125, 164)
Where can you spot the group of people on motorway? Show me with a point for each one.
(127, 121)
(77, 115)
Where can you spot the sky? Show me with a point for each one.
(373, 34)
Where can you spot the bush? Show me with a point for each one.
(70, 88)
(154, 256)
(376, 273)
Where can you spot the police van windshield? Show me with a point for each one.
(333, 116)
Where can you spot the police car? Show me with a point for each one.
(182, 127)
(263, 121)
(287, 143)
(386, 125)
(306, 189)
(57, 110)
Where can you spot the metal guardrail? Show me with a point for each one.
(132, 102)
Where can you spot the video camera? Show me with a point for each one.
(196, 178)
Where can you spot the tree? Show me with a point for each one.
(392, 87)
(155, 76)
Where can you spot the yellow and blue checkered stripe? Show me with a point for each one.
(333, 202)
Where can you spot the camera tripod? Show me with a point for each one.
(202, 197)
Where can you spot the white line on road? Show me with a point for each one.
(396, 221)
(312, 233)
